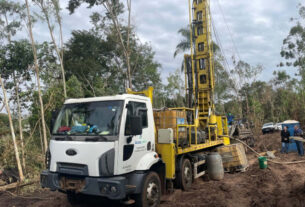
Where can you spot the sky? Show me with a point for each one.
(252, 30)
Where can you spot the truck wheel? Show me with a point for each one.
(185, 175)
(73, 198)
(151, 192)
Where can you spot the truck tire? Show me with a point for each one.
(185, 175)
(151, 192)
(73, 198)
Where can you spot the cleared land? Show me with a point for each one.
(279, 185)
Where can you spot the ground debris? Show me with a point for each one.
(279, 185)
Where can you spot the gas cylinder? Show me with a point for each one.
(215, 166)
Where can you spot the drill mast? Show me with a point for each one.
(199, 67)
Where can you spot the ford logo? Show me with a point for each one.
(71, 152)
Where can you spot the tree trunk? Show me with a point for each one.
(20, 122)
(38, 78)
(109, 7)
(40, 137)
(247, 105)
(128, 43)
(18, 102)
(12, 131)
(59, 55)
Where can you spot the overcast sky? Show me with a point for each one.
(257, 27)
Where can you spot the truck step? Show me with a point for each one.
(130, 188)
(128, 202)
(196, 173)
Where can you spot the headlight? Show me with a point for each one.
(109, 188)
(113, 189)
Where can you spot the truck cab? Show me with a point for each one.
(104, 146)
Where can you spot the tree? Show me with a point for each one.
(11, 15)
(293, 49)
(21, 176)
(17, 57)
(48, 7)
(98, 65)
(242, 74)
(89, 59)
(29, 24)
(174, 90)
(113, 9)
(185, 43)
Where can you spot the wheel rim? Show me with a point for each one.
(152, 194)
(187, 175)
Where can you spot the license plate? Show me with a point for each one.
(68, 184)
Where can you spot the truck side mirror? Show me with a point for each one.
(135, 125)
(53, 119)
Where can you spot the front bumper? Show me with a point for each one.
(113, 188)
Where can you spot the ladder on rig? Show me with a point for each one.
(199, 66)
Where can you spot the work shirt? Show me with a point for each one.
(230, 119)
(285, 136)
(298, 132)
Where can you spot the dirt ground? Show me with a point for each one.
(279, 185)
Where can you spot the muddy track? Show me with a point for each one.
(279, 185)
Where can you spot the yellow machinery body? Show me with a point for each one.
(199, 81)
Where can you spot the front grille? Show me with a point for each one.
(72, 169)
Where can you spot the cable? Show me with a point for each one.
(257, 154)
(220, 46)
(229, 30)
(275, 162)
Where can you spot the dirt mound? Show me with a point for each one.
(268, 142)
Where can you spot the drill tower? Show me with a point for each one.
(199, 67)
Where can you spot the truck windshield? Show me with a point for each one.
(94, 118)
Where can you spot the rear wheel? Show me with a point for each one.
(186, 175)
(151, 192)
(73, 198)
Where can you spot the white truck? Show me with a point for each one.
(109, 151)
(108, 146)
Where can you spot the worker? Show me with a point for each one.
(230, 118)
(285, 140)
(299, 133)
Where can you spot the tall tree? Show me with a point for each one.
(21, 176)
(92, 64)
(11, 15)
(243, 73)
(185, 43)
(293, 49)
(17, 58)
(175, 90)
(113, 10)
(29, 24)
(48, 8)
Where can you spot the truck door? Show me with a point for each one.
(133, 148)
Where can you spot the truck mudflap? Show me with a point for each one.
(115, 188)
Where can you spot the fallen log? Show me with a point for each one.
(14, 185)
(2, 182)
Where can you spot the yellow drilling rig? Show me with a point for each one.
(199, 128)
